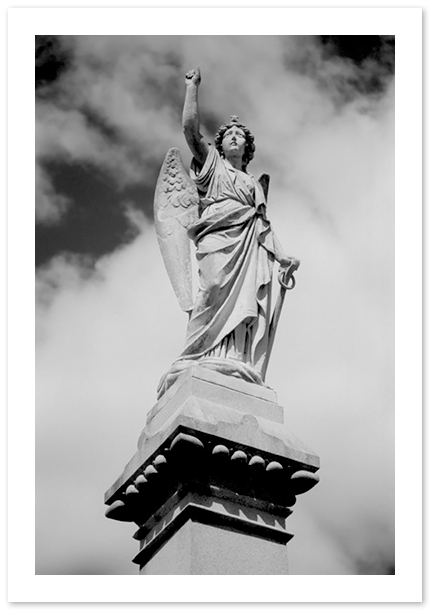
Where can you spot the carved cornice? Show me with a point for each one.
(190, 459)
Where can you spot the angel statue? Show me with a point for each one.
(221, 207)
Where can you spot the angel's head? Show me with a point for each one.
(235, 134)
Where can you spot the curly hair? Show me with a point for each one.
(249, 138)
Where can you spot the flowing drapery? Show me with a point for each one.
(229, 323)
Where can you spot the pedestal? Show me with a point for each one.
(213, 480)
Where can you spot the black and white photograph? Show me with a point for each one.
(215, 300)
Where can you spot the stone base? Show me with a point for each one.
(215, 473)
(199, 548)
(247, 525)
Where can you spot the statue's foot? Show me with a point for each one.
(226, 366)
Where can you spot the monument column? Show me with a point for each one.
(216, 472)
(213, 481)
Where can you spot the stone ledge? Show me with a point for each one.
(189, 456)
(210, 385)
(193, 507)
(208, 418)
(273, 515)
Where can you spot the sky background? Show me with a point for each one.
(107, 321)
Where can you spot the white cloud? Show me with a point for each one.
(104, 340)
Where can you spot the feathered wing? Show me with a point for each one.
(264, 180)
(176, 207)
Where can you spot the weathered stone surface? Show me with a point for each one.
(210, 465)
(218, 537)
(216, 423)
(210, 385)
(303, 481)
(188, 460)
(222, 208)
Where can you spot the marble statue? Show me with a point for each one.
(221, 207)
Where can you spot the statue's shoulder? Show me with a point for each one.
(202, 174)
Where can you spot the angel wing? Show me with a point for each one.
(176, 207)
(264, 180)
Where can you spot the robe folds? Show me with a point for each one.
(229, 323)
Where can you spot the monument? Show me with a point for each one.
(216, 472)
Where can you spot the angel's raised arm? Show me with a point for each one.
(191, 119)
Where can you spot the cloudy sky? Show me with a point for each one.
(107, 321)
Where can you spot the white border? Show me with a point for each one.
(405, 586)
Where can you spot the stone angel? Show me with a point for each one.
(221, 207)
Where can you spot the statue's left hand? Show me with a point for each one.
(289, 261)
(288, 266)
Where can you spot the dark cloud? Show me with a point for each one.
(361, 48)
(346, 68)
(96, 224)
(373, 57)
(106, 107)
(51, 60)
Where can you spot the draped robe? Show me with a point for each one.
(229, 324)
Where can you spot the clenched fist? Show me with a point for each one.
(193, 77)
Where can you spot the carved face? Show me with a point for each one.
(234, 142)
